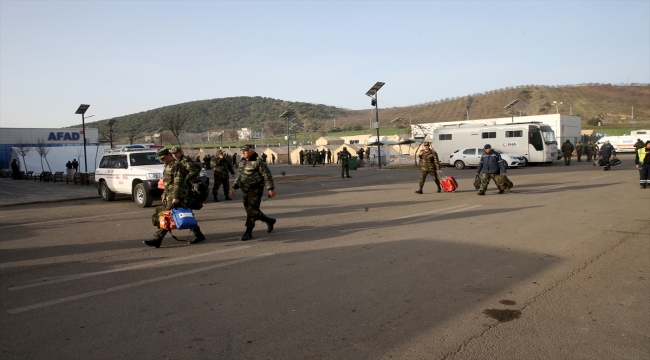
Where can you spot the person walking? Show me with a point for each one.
(595, 150)
(329, 156)
(606, 152)
(429, 165)
(174, 194)
(567, 152)
(490, 167)
(15, 170)
(75, 165)
(222, 168)
(344, 157)
(579, 147)
(642, 161)
(273, 159)
(360, 154)
(253, 175)
(234, 160)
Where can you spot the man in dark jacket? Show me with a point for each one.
(15, 169)
(490, 167)
(642, 161)
(567, 152)
(606, 152)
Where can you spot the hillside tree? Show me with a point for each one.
(174, 122)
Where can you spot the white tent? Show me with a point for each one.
(59, 156)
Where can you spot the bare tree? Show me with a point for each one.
(132, 136)
(80, 154)
(23, 150)
(175, 123)
(42, 151)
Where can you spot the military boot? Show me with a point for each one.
(481, 192)
(227, 197)
(419, 191)
(157, 239)
(269, 223)
(215, 197)
(248, 234)
(198, 235)
(438, 185)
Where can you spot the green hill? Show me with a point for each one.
(611, 104)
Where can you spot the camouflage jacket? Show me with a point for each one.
(344, 156)
(174, 180)
(429, 160)
(189, 167)
(221, 166)
(567, 147)
(253, 173)
(579, 148)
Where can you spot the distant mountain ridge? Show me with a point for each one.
(609, 103)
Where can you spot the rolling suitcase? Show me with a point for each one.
(448, 183)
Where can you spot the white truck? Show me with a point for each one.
(535, 142)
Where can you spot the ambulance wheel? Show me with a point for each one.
(459, 165)
(106, 193)
(141, 197)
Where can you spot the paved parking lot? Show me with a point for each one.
(360, 268)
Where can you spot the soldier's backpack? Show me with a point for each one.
(198, 191)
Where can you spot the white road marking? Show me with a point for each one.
(430, 212)
(48, 281)
(72, 219)
(598, 177)
(131, 285)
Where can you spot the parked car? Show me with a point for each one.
(133, 171)
(470, 157)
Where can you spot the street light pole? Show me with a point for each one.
(288, 114)
(372, 93)
(82, 110)
(511, 106)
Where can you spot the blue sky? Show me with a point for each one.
(124, 57)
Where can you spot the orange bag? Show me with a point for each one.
(161, 184)
(166, 221)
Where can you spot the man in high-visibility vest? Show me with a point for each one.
(642, 162)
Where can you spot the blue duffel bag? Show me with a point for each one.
(183, 218)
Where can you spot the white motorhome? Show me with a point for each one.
(535, 142)
(564, 126)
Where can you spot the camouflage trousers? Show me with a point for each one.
(498, 179)
(252, 201)
(424, 173)
(345, 169)
(567, 158)
(221, 181)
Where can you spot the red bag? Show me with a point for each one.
(448, 183)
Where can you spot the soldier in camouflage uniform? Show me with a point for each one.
(595, 151)
(579, 147)
(567, 152)
(174, 194)
(491, 166)
(589, 149)
(344, 156)
(190, 170)
(253, 175)
(301, 154)
(429, 164)
(221, 168)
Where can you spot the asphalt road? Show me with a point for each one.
(360, 268)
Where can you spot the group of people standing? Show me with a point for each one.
(180, 172)
(72, 167)
(315, 157)
(590, 149)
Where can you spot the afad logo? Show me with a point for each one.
(59, 136)
(508, 144)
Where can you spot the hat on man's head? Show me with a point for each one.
(175, 149)
(162, 153)
(247, 147)
(426, 143)
(487, 146)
